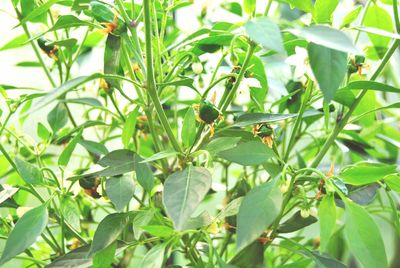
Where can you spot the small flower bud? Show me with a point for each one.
(197, 67)
(304, 212)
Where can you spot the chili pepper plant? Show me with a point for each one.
(174, 133)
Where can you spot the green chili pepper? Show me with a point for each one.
(264, 130)
(112, 59)
(47, 47)
(208, 112)
(103, 14)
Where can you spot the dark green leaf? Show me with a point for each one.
(108, 231)
(28, 172)
(363, 237)
(248, 154)
(257, 118)
(295, 223)
(94, 147)
(221, 144)
(25, 232)
(327, 37)
(327, 220)
(104, 258)
(265, 32)
(329, 76)
(66, 154)
(129, 127)
(120, 190)
(188, 133)
(183, 192)
(70, 211)
(258, 210)
(365, 172)
(58, 117)
(144, 175)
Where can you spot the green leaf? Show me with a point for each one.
(199, 221)
(144, 175)
(327, 37)
(108, 231)
(365, 172)
(393, 181)
(120, 190)
(17, 42)
(158, 230)
(43, 132)
(84, 101)
(371, 85)
(94, 147)
(351, 16)
(329, 68)
(78, 257)
(141, 218)
(160, 155)
(257, 118)
(231, 209)
(251, 256)
(25, 232)
(258, 210)
(249, 6)
(116, 163)
(295, 223)
(58, 117)
(377, 17)
(323, 10)
(66, 154)
(363, 237)
(28, 172)
(248, 154)
(129, 127)
(38, 11)
(70, 211)
(265, 32)
(185, 82)
(104, 258)
(323, 260)
(183, 192)
(189, 128)
(154, 258)
(327, 220)
(221, 144)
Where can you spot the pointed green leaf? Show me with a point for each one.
(265, 32)
(363, 237)
(188, 133)
(120, 190)
(129, 127)
(327, 220)
(183, 192)
(25, 232)
(258, 210)
(28, 172)
(248, 154)
(108, 231)
(329, 76)
(66, 154)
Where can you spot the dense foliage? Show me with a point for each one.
(269, 137)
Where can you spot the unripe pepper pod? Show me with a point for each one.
(47, 47)
(208, 112)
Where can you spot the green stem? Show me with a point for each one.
(299, 118)
(342, 123)
(229, 98)
(151, 84)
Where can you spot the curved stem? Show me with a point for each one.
(151, 84)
